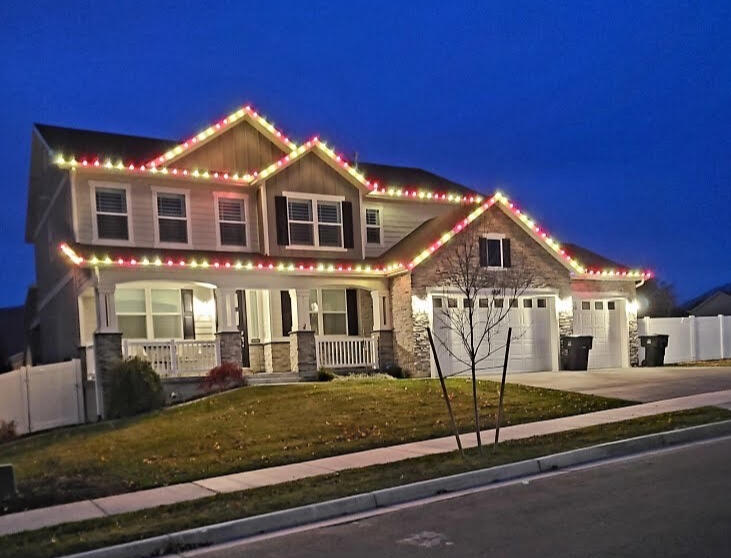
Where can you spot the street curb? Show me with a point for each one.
(294, 517)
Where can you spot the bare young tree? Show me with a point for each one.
(479, 292)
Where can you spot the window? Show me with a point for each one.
(131, 313)
(610, 305)
(514, 303)
(166, 315)
(150, 313)
(437, 302)
(315, 222)
(231, 218)
(451, 303)
(527, 303)
(541, 302)
(373, 225)
(330, 224)
(328, 312)
(495, 251)
(172, 217)
(111, 213)
(484, 303)
(585, 305)
(498, 303)
(598, 305)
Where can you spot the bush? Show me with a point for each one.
(325, 375)
(7, 431)
(395, 372)
(134, 388)
(223, 376)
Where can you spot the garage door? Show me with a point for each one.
(530, 346)
(600, 318)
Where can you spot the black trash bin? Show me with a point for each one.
(655, 346)
(575, 352)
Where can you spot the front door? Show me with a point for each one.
(243, 327)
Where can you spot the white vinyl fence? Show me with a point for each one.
(692, 338)
(42, 397)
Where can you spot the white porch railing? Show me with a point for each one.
(174, 357)
(346, 352)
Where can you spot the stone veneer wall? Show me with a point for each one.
(634, 341)
(302, 356)
(565, 323)
(256, 357)
(403, 321)
(384, 347)
(276, 356)
(230, 343)
(107, 353)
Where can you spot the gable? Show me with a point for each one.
(311, 174)
(241, 148)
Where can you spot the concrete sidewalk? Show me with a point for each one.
(145, 499)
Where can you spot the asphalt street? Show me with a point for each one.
(671, 503)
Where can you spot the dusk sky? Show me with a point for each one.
(608, 122)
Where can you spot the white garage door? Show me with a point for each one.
(530, 346)
(600, 318)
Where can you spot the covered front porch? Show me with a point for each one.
(266, 323)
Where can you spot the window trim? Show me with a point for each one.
(314, 198)
(366, 226)
(156, 190)
(93, 185)
(499, 237)
(232, 247)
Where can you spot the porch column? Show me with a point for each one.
(227, 332)
(382, 328)
(107, 345)
(302, 356)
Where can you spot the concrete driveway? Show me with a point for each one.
(635, 384)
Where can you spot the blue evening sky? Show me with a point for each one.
(609, 122)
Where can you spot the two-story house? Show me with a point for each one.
(239, 244)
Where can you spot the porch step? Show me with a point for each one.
(272, 378)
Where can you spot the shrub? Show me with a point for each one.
(223, 376)
(7, 431)
(325, 375)
(395, 371)
(134, 388)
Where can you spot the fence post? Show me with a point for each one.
(721, 336)
(691, 330)
(173, 357)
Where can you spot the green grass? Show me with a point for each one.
(86, 535)
(257, 427)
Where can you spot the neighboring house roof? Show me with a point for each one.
(92, 144)
(590, 258)
(411, 176)
(697, 301)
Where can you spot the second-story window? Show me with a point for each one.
(301, 222)
(373, 225)
(315, 222)
(231, 214)
(111, 213)
(329, 224)
(172, 217)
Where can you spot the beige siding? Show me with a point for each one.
(401, 217)
(312, 175)
(202, 209)
(242, 148)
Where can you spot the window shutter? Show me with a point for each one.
(506, 252)
(243, 327)
(280, 207)
(286, 312)
(351, 300)
(186, 299)
(348, 224)
(483, 252)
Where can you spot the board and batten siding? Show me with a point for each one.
(202, 210)
(240, 149)
(399, 218)
(312, 175)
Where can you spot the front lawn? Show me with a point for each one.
(257, 427)
(96, 533)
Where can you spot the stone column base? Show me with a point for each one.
(230, 346)
(302, 356)
(107, 355)
(384, 348)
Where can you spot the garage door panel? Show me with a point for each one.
(596, 317)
